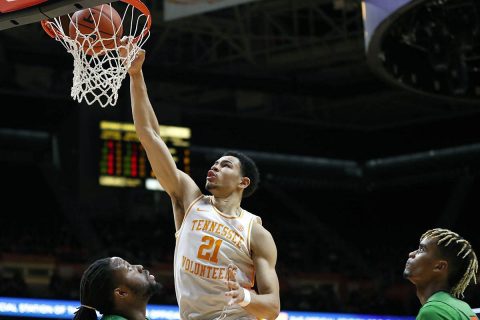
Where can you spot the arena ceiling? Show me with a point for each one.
(297, 64)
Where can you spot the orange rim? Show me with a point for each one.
(53, 32)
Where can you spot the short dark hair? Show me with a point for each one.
(96, 290)
(249, 169)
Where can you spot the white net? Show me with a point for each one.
(98, 66)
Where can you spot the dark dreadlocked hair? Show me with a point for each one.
(249, 169)
(96, 290)
(462, 260)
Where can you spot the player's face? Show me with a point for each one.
(224, 176)
(134, 277)
(423, 262)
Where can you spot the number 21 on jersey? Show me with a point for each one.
(209, 249)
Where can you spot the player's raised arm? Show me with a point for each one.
(181, 188)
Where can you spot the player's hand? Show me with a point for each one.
(137, 62)
(235, 292)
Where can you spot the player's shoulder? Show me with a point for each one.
(262, 243)
(250, 217)
(200, 199)
(260, 234)
(439, 310)
(432, 311)
(254, 220)
(112, 317)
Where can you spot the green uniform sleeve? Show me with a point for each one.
(433, 313)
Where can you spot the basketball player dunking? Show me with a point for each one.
(220, 248)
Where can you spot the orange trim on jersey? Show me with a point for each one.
(249, 232)
(187, 212)
(253, 278)
(191, 205)
(223, 214)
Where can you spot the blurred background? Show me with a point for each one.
(354, 169)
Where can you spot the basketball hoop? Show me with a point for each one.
(98, 67)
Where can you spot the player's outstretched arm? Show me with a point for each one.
(265, 304)
(181, 188)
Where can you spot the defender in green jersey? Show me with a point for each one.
(442, 267)
(116, 289)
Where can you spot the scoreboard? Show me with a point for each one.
(123, 161)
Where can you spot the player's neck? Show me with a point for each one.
(424, 293)
(229, 205)
(134, 312)
(135, 315)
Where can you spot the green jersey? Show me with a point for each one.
(113, 317)
(443, 306)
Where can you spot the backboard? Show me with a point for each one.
(14, 13)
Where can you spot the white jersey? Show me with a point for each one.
(207, 242)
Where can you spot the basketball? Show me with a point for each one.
(96, 28)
